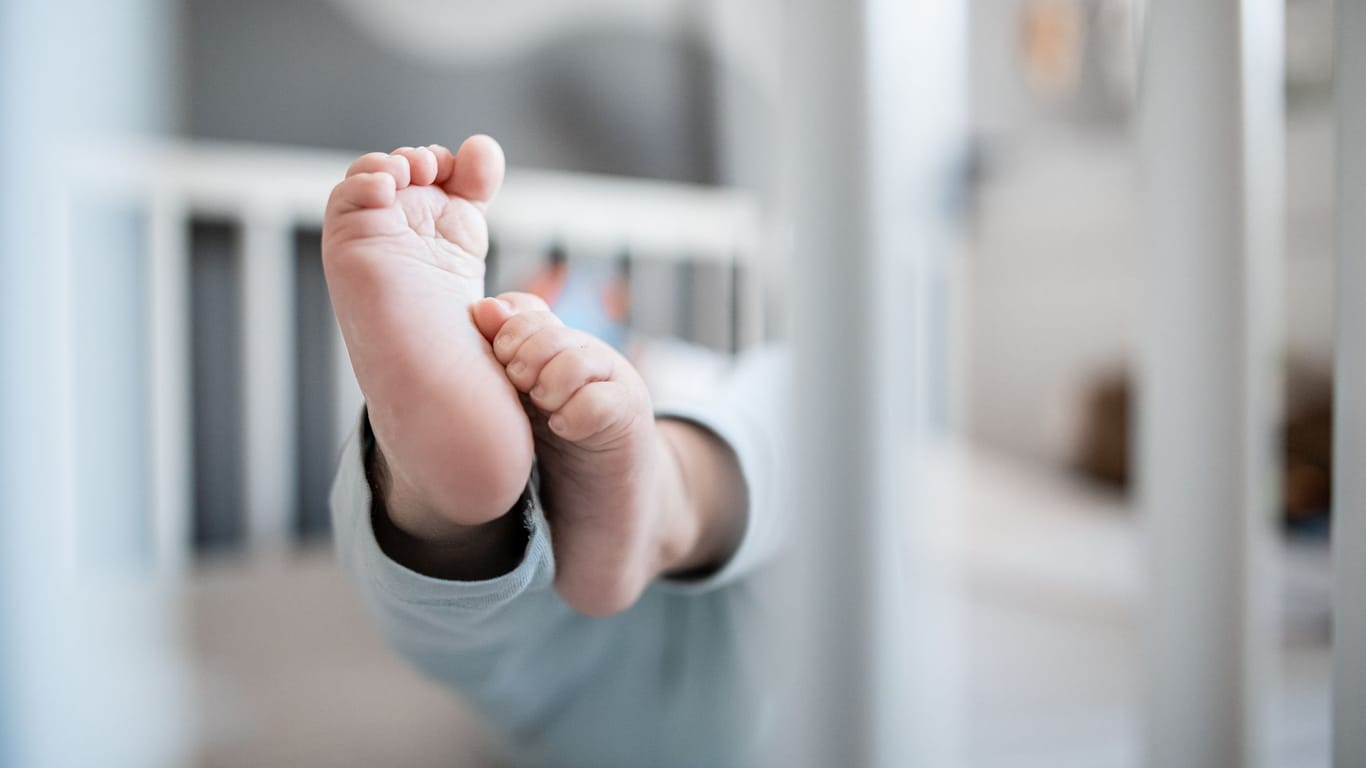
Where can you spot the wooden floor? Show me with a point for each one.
(287, 671)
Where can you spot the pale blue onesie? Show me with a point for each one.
(674, 681)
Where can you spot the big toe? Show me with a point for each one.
(489, 314)
(478, 171)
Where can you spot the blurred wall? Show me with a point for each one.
(632, 101)
(1054, 294)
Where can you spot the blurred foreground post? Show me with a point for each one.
(1349, 427)
(1210, 137)
(88, 649)
(268, 381)
(874, 99)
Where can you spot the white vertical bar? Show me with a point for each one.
(1210, 144)
(874, 93)
(919, 96)
(839, 453)
(269, 385)
(1263, 110)
(169, 317)
(1349, 422)
(1264, 116)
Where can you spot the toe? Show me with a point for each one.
(521, 301)
(445, 163)
(378, 162)
(525, 368)
(478, 170)
(598, 410)
(361, 191)
(422, 163)
(489, 315)
(566, 373)
(517, 330)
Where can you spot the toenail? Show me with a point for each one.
(538, 392)
(557, 423)
(516, 369)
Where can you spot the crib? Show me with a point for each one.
(265, 204)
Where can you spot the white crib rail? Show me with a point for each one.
(268, 377)
(172, 443)
(270, 192)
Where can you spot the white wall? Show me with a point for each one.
(1054, 276)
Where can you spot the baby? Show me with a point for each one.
(637, 655)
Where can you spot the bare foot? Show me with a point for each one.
(605, 470)
(404, 241)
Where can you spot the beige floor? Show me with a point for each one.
(288, 672)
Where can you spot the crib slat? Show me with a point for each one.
(870, 134)
(269, 431)
(831, 338)
(1349, 418)
(1211, 143)
(169, 319)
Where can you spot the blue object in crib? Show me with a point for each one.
(581, 304)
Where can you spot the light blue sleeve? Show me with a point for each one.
(748, 411)
(467, 634)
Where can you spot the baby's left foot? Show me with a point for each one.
(606, 471)
(403, 247)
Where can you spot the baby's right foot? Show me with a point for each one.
(404, 241)
(609, 479)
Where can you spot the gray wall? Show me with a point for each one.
(299, 72)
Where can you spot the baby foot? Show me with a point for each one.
(404, 241)
(604, 468)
